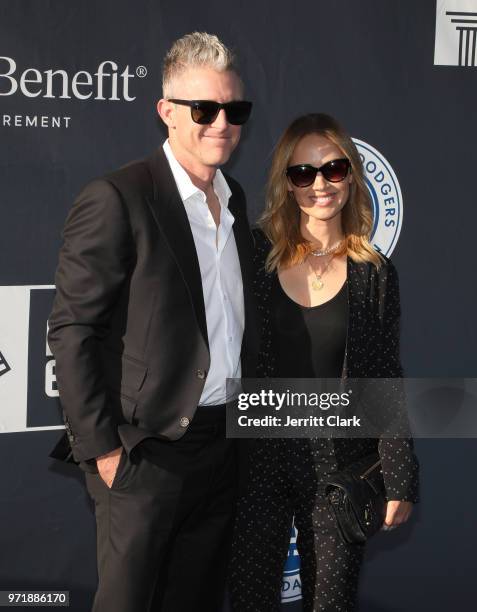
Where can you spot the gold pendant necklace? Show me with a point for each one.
(318, 283)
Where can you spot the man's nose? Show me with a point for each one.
(221, 120)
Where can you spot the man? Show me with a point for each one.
(153, 312)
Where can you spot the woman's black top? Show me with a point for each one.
(310, 341)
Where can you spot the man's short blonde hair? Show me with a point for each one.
(195, 50)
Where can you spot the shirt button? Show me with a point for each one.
(184, 422)
(200, 373)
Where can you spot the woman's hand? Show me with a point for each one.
(397, 512)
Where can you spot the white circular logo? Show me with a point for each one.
(291, 583)
(386, 198)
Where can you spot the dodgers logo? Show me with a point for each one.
(386, 198)
(291, 585)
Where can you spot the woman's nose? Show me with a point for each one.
(320, 182)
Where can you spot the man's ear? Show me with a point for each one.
(166, 111)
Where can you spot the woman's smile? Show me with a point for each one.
(322, 200)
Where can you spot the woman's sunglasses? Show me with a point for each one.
(304, 175)
(206, 111)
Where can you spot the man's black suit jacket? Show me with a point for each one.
(128, 326)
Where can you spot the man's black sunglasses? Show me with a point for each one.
(206, 111)
(304, 175)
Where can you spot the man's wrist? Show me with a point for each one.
(113, 453)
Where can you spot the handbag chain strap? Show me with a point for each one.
(370, 469)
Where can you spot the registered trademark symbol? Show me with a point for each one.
(141, 71)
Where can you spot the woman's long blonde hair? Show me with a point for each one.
(281, 219)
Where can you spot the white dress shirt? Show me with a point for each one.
(221, 278)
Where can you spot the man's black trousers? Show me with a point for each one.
(164, 526)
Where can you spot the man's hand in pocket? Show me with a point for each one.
(108, 465)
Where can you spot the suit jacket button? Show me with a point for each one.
(200, 373)
(184, 422)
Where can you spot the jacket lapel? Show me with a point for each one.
(244, 242)
(169, 212)
(357, 294)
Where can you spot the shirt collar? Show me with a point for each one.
(186, 187)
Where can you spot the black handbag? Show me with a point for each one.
(357, 498)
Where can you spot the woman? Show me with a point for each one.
(330, 306)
